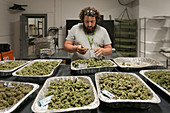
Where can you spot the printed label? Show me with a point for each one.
(45, 100)
(82, 66)
(107, 93)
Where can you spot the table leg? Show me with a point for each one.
(167, 63)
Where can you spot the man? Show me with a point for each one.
(87, 39)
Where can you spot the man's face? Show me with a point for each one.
(89, 24)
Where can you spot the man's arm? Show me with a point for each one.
(107, 50)
(69, 47)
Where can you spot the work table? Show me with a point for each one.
(64, 70)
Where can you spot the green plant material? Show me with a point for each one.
(160, 77)
(126, 20)
(125, 40)
(127, 53)
(125, 46)
(125, 33)
(125, 26)
(124, 86)
(11, 94)
(129, 64)
(92, 62)
(8, 65)
(69, 93)
(38, 68)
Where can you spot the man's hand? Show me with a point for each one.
(81, 49)
(98, 51)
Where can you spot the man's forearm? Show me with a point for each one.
(106, 51)
(70, 48)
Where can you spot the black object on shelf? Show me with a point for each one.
(4, 47)
(18, 7)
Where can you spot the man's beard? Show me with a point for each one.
(89, 30)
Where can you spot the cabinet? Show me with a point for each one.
(40, 28)
(126, 37)
(154, 33)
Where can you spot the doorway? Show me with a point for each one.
(33, 26)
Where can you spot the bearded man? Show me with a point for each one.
(88, 39)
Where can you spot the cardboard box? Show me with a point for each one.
(44, 43)
(40, 46)
(45, 53)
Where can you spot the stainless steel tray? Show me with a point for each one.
(136, 62)
(12, 108)
(36, 106)
(142, 72)
(5, 73)
(38, 78)
(167, 55)
(116, 103)
(92, 70)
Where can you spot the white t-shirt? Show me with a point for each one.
(77, 34)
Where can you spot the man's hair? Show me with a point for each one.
(89, 11)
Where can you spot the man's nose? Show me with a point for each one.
(89, 23)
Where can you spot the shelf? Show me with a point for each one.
(127, 53)
(125, 33)
(126, 20)
(125, 27)
(125, 46)
(162, 32)
(156, 28)
(125, 40)
(161, 18)
(126, 36)
(149, 52)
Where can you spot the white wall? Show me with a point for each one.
(34, 7)
(60, 10)
(6, 23)
(149, 8)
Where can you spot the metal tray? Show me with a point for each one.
(117, 103)
(167, 55)
(136, 62)
(14, 107)
(92, 70)
(5, 73)
(36, 107)
(39, 78)
(142, 72)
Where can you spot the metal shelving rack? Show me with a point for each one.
(160, 25)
